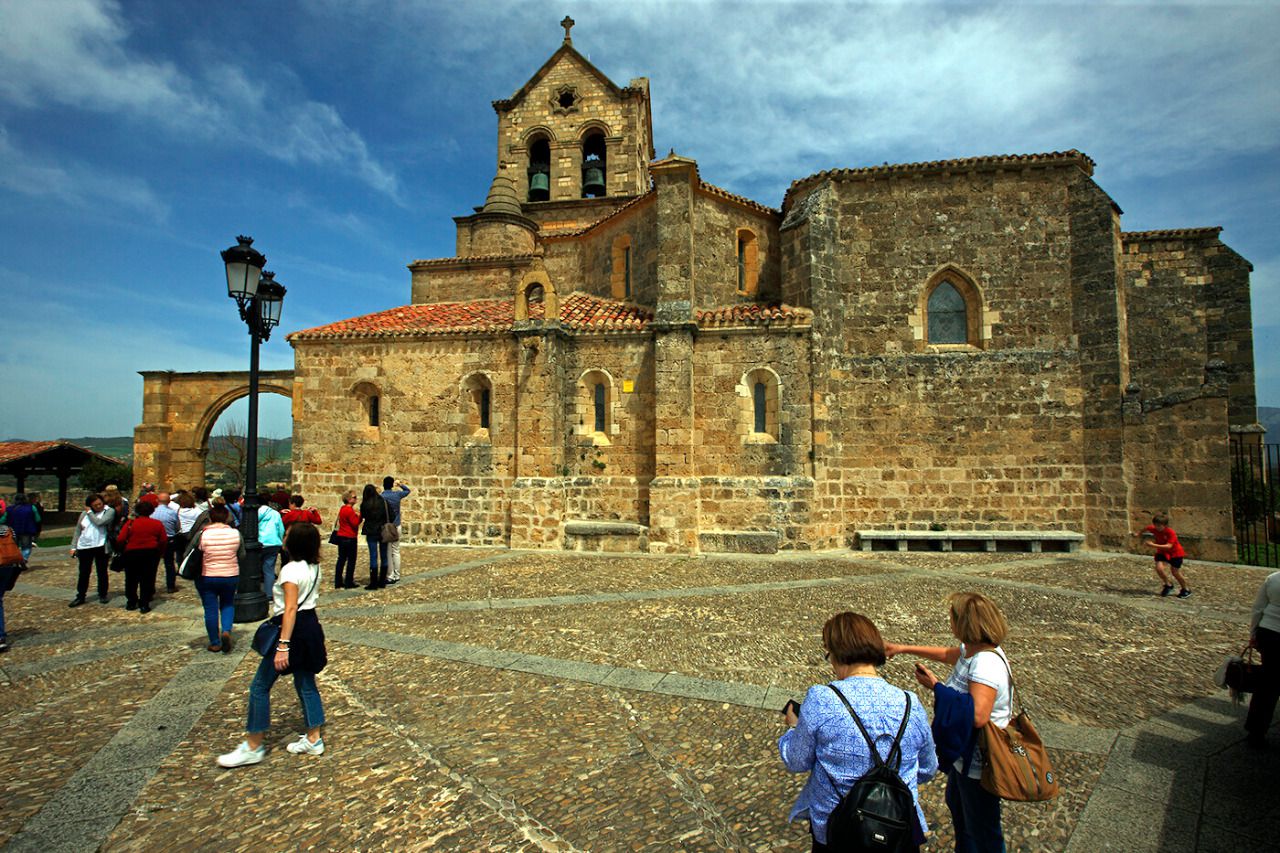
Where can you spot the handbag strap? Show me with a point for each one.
(1013, 693)
(895, 751)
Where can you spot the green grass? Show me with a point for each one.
(54, 541)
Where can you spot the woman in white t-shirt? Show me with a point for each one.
(979, 668)
(300, 650)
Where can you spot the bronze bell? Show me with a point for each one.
(539, 186)
(593, 179)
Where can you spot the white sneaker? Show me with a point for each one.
(302, 746)
(242, 755)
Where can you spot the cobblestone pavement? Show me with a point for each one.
(555, 701)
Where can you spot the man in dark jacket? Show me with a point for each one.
(24, 520)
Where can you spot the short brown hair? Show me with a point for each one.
(853, 638)
(1160, 519)
(976, 619)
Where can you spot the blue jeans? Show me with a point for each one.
(975, 813)
(218, 596)
(269, 554)
(377, 547)
(260, 697)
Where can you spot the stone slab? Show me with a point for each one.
(1116, 820)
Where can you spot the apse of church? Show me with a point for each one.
(623, 356)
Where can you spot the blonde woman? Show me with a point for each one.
(979, 668)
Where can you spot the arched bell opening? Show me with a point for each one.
(540, 169)
(594, 166)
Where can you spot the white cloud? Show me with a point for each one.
(76, 184)
(74, 53)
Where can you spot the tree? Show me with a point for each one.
(98, 473)
(229, 453)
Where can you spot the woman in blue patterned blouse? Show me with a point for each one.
(824, 741)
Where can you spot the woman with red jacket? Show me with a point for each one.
(348, 535)
(295, 512)
(143, 540)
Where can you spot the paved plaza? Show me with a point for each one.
(501, 700)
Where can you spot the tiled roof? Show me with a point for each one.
(711, 189)
(1172, 234)
(471, 259)
(11, 451)
(577, 311)
(754, 314)
(965, 164)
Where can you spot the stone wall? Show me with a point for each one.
(465, 280)
(1188, 303)
(908, 435)
(727, 445)
(716, 223)
(779, 505)
(1178, 463)
(599, 261)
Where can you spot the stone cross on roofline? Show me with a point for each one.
(567, 23)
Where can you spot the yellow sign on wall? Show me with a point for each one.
(628, 386)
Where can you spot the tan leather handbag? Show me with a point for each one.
(1015, 764)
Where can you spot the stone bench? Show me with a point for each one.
(1034, 541)
(738, 541)
(613, 536)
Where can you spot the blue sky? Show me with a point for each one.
(138, 137)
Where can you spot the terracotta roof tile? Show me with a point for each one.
(1172, 234)
(469, 259)
(14, 450)
(753, 314)
(965, 164)
(578, 311)
(711, 189)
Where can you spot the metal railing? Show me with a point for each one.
(1255, 502)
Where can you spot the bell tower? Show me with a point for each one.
(571, 133)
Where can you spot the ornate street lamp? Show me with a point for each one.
(260, 298)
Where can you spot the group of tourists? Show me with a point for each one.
(833, 733)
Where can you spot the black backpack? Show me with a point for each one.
(878, 813)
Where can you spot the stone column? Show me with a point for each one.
(537, 494)
(673, 494)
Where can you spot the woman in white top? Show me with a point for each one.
(299, 650)
(89, 546)
(1265, 637)
(980, 669)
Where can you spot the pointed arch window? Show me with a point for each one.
(948, 315)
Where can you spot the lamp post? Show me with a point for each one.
(260, 298)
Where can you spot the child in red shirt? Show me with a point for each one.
(1168, 554)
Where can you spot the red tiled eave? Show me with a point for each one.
(754, 314)
(578, 311)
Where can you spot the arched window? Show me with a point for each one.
(759, 393)
(599, 402)
(759, 403)
(477, 393)
(539, 169)
(748, 262)
(369, 397)
(948, 315)
(595, 406)
(594, 168)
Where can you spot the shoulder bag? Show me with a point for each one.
(389, 532)
(1015, 764)
(268, 633)
(193, 564)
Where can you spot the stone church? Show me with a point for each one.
(623, 356)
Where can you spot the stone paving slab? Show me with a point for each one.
(600, 703)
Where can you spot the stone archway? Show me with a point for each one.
(178, 413)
